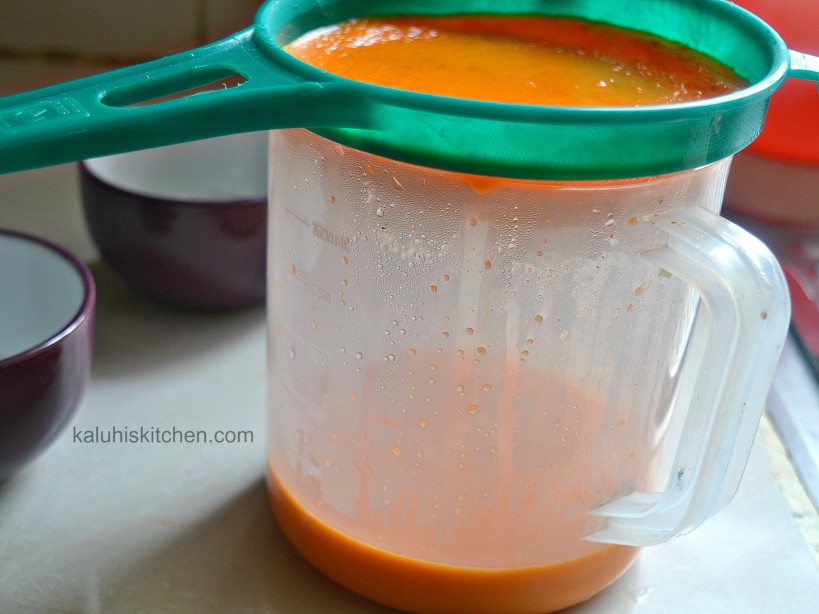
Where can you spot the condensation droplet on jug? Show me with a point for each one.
(433, 288)
(472, 409)
(481, 350)
(538, 318)
(469, 330)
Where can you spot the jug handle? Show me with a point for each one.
(735, 344)
(164, 101)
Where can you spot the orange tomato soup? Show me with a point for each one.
(526, 60)
(420, 586)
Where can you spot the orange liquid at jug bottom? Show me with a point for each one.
(418, 586)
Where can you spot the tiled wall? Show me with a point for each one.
(47, 41)
(43, 42)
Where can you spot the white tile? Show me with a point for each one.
(224, 18)
(20, 75)
(112, 28)
(24, 24)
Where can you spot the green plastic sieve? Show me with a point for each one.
(157, 103)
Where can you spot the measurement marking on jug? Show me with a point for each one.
(321, 294)
(294, 273)
(328, 236)
(311, 351)
(318, 292)
(298, 217)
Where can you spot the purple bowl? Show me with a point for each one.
(185, 224)
(47, 302)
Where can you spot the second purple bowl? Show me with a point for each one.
(185, 224)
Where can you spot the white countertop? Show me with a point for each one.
(144, 527)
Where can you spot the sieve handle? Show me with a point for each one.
(803, 66)
(733, 351)
(161, 103)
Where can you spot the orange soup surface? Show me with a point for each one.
(525, 60)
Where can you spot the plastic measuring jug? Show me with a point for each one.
(508, 375)
(481, 399)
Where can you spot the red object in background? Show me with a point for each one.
(805, 310)
(791, 132)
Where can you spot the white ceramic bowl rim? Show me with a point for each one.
(33, 317)
(223, 169)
